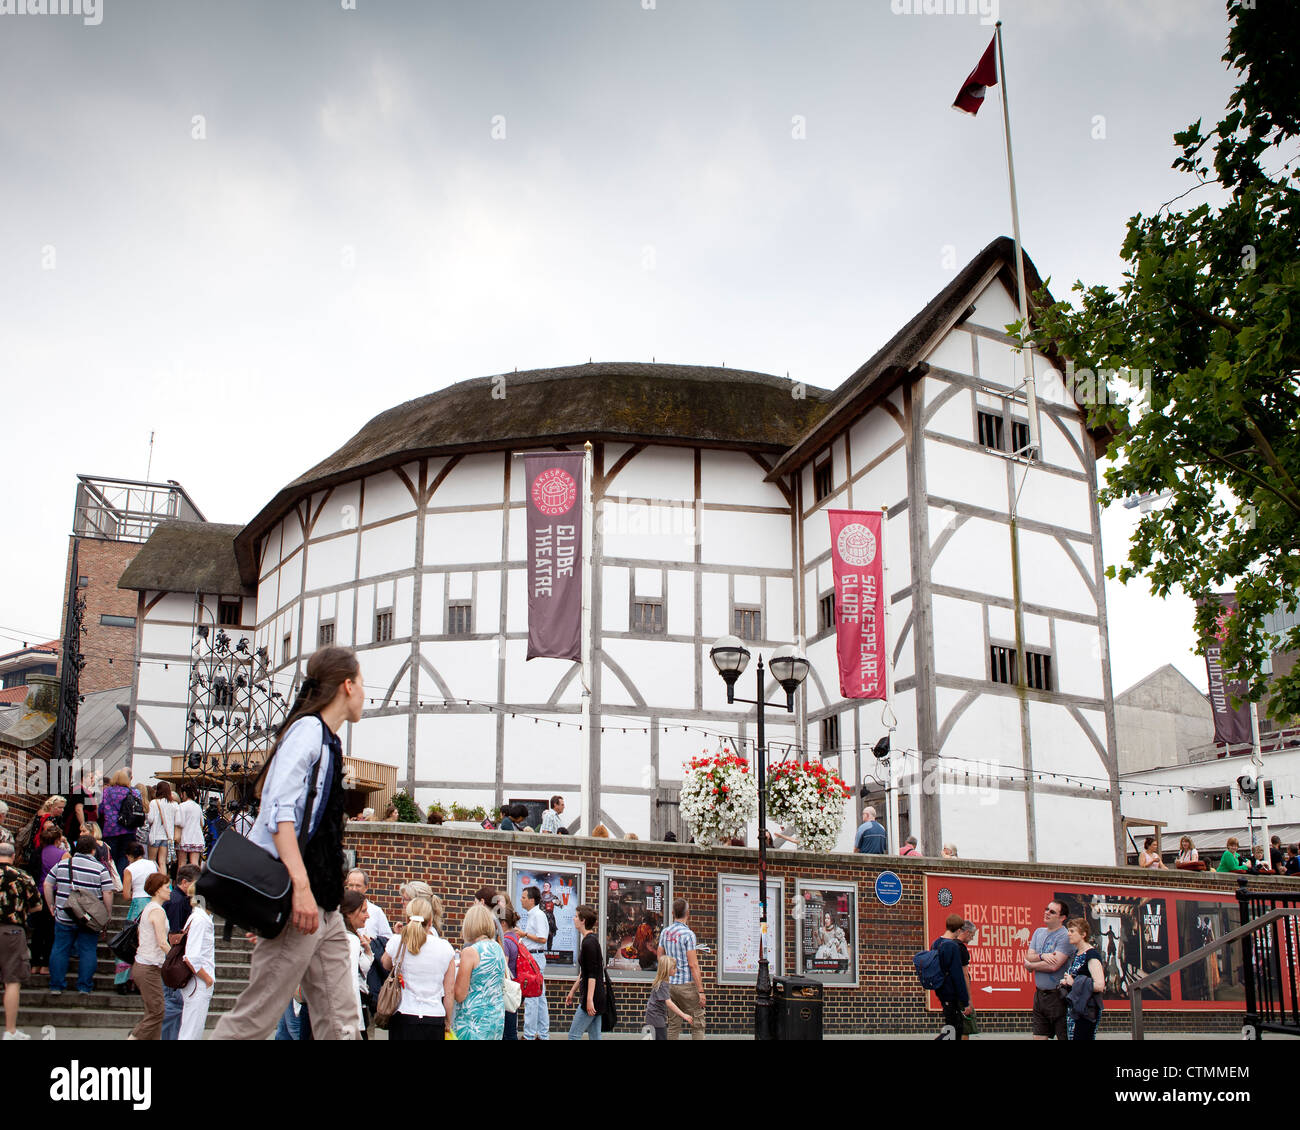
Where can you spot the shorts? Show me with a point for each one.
(159, 843)
(193, 847)
(15, 965)
(1049, 1014)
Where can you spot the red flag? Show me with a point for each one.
(858, 568)
(971, 96)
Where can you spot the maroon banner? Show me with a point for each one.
(859, 567)
(553, 485)
(1231, 726)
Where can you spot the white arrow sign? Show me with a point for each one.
(991, 989)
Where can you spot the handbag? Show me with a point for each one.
(390, 994)
(176, 973)
(609, 1016)
(246, 885)
(512, 993)
(125, 942)
(87, 910)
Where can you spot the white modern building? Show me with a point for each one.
(710, 492)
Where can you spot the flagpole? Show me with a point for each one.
(891, 785)
(1031, 395)
(589, 804)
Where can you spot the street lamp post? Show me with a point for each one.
(789, 668)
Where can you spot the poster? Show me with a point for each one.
(826, 933)
(561, 886)
(738, 923)
(1137, 930)
(634, 906)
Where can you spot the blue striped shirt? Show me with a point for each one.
(677, 941)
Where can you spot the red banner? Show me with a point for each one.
(1135, 929)
(553, 487)
(859, 568)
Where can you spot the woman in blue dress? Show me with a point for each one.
(480, 980)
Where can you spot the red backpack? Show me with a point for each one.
(527, 973)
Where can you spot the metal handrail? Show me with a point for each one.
(1166, 971)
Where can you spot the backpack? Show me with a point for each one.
(86, 910)
(130, 814)
(609, 1017)
(527, 973)
(928, 969)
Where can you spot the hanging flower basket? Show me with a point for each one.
(808, 797)
(719, 797)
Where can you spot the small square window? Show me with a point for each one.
(826, 612)
(1038, 670)
(648, 616)
(108, 621)
(990, 430)
(1020, 439)
(460, 618)
(1266, 792)
(823, 480)
(83, 582)
(747, 623)
(1002, 664)
(228, 613)
(830, 734)
(384, 626)
(325, 634)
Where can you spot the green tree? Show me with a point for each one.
(1207, 325)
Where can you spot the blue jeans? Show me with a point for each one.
(288, 1027)
(174, 1002)
(537, 1013)
(86, 942)
(584, 1023)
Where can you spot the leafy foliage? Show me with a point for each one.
(1209, 313)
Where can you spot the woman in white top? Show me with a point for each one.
(189, 821)
(1186, 852)
(201, 957)
(353, 908)
(1149, 856)
(147, 970)
(133, 880)
(428, 965)
(161, 823)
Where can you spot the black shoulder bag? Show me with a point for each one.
(246, 885)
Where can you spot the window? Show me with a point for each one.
(990, 430)
(384, 626)
(325, 634)
(223, 694)
(830, 734)
(83, 582)
(1002, 664)
(117, 621)
(747, 623)
(826, 612)
(1221, 800)
(228, 613)
(288, 645)
(1266, 792)
(823, 480)
(1038, 670)
(460, 618)
(1020, 439)
(648, 616)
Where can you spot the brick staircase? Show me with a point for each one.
(104, 1008)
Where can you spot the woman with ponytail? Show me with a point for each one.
(428, 965)
(305, 768)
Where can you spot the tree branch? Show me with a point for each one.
(1209, 316)
(1266, 449)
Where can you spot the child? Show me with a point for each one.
(201, 957)
(137, 873)
(656, 1008)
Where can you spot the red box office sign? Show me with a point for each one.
(1136, 929)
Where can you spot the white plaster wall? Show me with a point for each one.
(631, 813)
(624, 757)
(536, 752)
(905, 666)
(995, 308)
(955, 416)
(1061, 746)
(290, 581)
(733, 478)
(680, 604)
(745, 539)
(468, 667)
(973, 477)
(1074, 830)
(1054, 499)
(381, 739)
(953, 352)
(662, 672)
(988, 732)
(1078, 659)
(387, 496)
(958, 638)
(869, 438)
(715, 609)
(389, 548)
(332, 561)
(821, 657)
(475, 480)
(634, 528)
(536, 680)
(458, 538)
(657, 472)
(977, 557)
(456, 747)
(982, 824)
(999, 365)
(1048, 576)
(271, 550)
(1057, 449)
(816, 533)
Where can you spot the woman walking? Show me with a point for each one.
(480, 981)
(147, 970)
(590, 986)
(161, 823)
(510, 943)
(305, 766)
(117, 837)
(428, 972)
(1083, 1011)
(189, 825)
(138, 872)
(201, 957)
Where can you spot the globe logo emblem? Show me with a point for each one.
(554, 492)
(856, 545)
(945, 897)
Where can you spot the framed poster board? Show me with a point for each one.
(826, 931)
(738, 922)
(635, 904)
(561, 885)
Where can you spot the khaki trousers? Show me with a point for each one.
(687, 998)
(148, 979)
(321, 963)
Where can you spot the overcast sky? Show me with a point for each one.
(250, 227)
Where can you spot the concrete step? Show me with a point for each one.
(32, 1020)
(37, 1000)
(228, 972)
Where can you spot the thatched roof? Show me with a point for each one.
(187, 557)
(608, 400)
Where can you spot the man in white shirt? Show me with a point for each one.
(534, 930)
(376, 920)
(551, 817)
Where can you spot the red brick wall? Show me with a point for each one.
(16, 769)
(103, 562)
(888, 998)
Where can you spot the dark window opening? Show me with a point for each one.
(826, 612)
(1002, 664)
(228, 613)
(1038, 670)
(108, 621)
(1020, 439)
(460, 619)
(747, 623)
(325, 634)
(830, 734)
(288, 645)
(384, 626)
(990, 430)
(823, 480)
(648, 616)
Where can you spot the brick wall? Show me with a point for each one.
(17, 770)
(103, 562)
(887, 999)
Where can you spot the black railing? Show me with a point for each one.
(1269, 957)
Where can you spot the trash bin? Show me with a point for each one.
(797, 1002)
